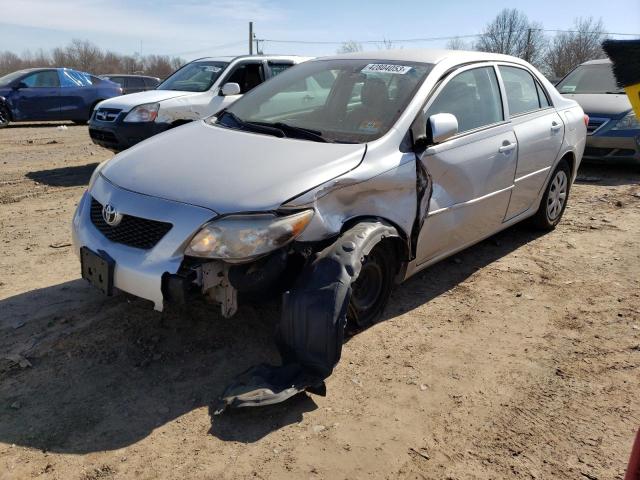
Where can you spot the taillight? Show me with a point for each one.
(586, 120)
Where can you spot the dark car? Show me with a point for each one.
(52, 94)
(613, 133)
(133, 83)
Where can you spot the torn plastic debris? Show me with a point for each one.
(311, 329)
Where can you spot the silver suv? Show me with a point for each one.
(328, 184)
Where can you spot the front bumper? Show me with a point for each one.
(118, 135)
(138, 271)
(613, 147)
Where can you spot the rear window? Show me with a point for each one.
(595, 78)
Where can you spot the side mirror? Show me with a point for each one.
(229, 89)
(19, 85)
(441, 127)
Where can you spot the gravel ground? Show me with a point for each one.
(519, 358)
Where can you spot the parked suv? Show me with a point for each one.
(407, 158)
(133, 83)
(52, 94)
(197, 90)
(613, 134)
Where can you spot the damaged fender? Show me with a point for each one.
(311, 329)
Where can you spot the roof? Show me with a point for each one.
(126, 75)
(600, 61)
(427, 55)
(231, 58)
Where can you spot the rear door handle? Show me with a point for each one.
(507, 148)
(555, 127)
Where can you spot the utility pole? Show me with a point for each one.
(250, 38)
(527, 53)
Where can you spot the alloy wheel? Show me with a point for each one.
(557, 195)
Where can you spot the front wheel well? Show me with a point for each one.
(400, 243)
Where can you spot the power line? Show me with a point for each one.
(428, 39)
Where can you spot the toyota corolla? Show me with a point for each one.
(408, 158)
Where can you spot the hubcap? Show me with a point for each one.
(4, 118)
(557, 195)
(366, 289)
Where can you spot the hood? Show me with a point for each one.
(607, 104)
(228, 170)
(127, 102)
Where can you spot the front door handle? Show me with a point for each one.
(555, 127)
(507, 148)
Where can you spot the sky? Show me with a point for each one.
(196, 28)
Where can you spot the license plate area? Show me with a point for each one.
(97, 269)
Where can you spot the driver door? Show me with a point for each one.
(472, 172)
(40, 98)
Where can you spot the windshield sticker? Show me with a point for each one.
(370, 126)
(386, 68)
(211, 68)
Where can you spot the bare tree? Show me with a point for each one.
(456, 43)
(387, 44)
(84, 55)
(569, 49)
(512, 33)
(350, 46)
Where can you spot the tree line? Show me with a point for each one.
(87, 57)
(512, 33)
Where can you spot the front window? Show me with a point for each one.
(348, 101)
(44, 79)
(8, 79)
(194, 77)
(595, 78)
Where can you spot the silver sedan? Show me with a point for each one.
(326, 185)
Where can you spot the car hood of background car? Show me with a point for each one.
(228, 170)
(127, 102)
(602, 103)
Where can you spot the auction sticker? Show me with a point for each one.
(386, 68)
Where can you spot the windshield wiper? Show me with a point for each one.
(249, 126)
(298, 132)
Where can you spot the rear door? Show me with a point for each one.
(539, 130)
(472, 172)
(39, 99)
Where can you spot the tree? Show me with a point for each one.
(456, 43)
(569, 49)
(512, 33)
(350, 46)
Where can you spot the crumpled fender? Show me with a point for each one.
(311, 329)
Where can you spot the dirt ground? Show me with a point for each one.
(519, 358)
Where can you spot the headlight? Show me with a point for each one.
(628, 122)
(244, 237)
(143, 113)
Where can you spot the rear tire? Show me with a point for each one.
(5, 116)
(554, 200)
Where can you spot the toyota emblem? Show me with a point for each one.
(111, 215)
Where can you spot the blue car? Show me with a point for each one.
(52, 94)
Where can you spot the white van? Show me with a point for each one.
(197, 90)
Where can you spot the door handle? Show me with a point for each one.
(507, 148)
(555, 127)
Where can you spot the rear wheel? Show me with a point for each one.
(555, 198)
(371, 290)
(4, 116)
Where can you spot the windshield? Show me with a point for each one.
(6, 80)
(194, 77)
(597, 78)
(347, 101)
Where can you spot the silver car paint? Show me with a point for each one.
(139, 271)
(226, 170)
(382, 184)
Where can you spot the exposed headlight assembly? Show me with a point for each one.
(143, 113)
(628, 122)
(239, 238)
